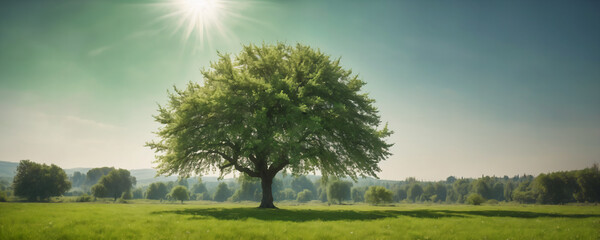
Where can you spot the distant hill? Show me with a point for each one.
(8, 169)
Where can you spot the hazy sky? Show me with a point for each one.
(469, 87)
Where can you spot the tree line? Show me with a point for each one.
(39, 182)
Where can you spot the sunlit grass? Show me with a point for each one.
(150, 220)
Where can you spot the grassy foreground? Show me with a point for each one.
(244, 221)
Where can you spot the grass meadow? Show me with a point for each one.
(208, 220)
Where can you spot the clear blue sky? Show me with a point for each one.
(469, 87)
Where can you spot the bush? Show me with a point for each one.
(180, 193)
(202, 196)
(127, 195)
(3, 197)
(475, 199)
(492, 201)
(305, 196)
(378, 194)
(84, 198)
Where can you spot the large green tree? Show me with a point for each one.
(114, 184)
(39, 181)
(270, 108)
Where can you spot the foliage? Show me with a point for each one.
(36, 181)
(157, 190)
(180, 193)
(182, 181)
(127, 195)
(77, 179)
(286, 194)
(475, 199)
(114, 184)
(270, 108)
(414, 192)
(94, 175)
(301, 182)
(138, 193)
(222, 192)
(358, 194)
(3, 197)
(337, 191)
(377, 195)
(249, 189)
(199, 187)
(202, 196)
(84, 198)
(305, 196)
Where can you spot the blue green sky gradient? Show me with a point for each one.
(469, 87)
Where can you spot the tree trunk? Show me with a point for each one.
(267, 193)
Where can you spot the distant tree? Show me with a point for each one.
(428, 192)
(440, 192)
(202, 196)
(337, 191)
(588, 182)
(138, 193)
(286, 194)
(157, 190)
(127, 195)
(94, 175)
(182, 181)
(358, 194)
(508, 190)
(301, 182)
(116, 182)
(523, 193)
(36, 181)
(77, 179)
(378, 194)
(451, 196)
(222, 192)
(3, 197)
(270, 108)
(450, 180)
(461, 188)
(414, 192)
(99, 191)
(199, 187)
(249, 189)
(305, 196)
(180, 193)
(498, 191)
(399, 192)
(482, 187)
(475, 199)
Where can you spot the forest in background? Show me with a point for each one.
(549, 188)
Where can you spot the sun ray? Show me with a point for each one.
(198, 21)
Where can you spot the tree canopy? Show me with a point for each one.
(180, 193)
(114, 184)
(270, 108)
(39, 181)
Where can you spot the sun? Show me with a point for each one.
(198, 21)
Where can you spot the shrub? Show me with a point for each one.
(492, 201)
(84, 198)
(305, 196)
(3, 197)
(475, 199)
(377, 195)
(202, 196)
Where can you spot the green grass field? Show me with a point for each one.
(205, 220)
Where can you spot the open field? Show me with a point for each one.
(207, 220)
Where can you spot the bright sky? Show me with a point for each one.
(469, 87)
